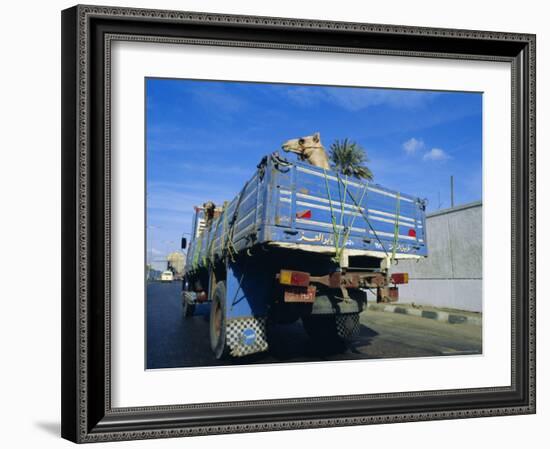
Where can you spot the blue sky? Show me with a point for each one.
(205, 138)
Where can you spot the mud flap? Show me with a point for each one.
(246, 336)
(347, 325)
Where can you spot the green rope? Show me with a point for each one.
(227, 244)
(205, 255)
(333, 219)
(211, 244)
(368, 222)
(348, 232)
(197, 251)
(347, 229)
(230, 248)
(342, 202)
(224, 231)
(340, 238)
(396, 228)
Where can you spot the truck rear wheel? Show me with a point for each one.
(332, 328)
(218, 322)
(188, 307)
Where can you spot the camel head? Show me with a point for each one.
(308, 148)
(301, 145)
(209, 210)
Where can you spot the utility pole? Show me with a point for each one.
(452, 191)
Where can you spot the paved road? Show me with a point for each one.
(175, 341)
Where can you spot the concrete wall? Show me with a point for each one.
(451, 275)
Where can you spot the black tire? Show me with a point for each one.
(218, 325)
(348, 326)
(188, 309)
(321, 328)
(326, 328)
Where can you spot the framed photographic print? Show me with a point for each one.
(285, 223)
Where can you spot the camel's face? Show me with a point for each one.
(209, 209)
(301, 145)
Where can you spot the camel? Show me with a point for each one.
(209, 213)
(309, 148)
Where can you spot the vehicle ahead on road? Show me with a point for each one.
(167, 276)
(298, 241)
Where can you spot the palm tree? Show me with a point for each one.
(348, 158)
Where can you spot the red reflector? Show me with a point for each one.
(400, 278)
(295, 278)
(304, 214)
(393, 293)
(299, 278)
(412, 233)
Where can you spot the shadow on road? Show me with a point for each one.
(365, 338)
(290, 343)
(176, 341)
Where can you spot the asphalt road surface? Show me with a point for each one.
(176, 341)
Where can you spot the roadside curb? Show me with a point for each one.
(448, 317)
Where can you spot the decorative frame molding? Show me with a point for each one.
(87, 34)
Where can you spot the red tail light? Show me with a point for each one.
(412, 233)
(400, 278)
(304, 214)
(295, 278)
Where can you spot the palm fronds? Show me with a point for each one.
(349, 158)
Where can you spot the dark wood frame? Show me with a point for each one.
(87, 32)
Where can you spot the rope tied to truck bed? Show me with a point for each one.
(210, 259)
(340, 238)
(333, 219)
(348, 229)
(197, 251)
(229, 247)
(396, 227)
(362, 212)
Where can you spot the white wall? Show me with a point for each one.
(29, 177)
(451, 275)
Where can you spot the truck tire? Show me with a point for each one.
(347, 325)
(332, 328)
(188, 307)
(218, 322)
(321, 328)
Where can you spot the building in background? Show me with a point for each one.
(176, 263)
(451, 276)
(151, 274)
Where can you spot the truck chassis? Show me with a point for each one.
(272, 286)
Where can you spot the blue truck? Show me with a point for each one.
(298, 242)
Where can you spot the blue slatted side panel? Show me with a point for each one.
(308, 199)
(296, 203)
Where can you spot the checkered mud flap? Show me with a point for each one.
(246, 336)
(347, 325)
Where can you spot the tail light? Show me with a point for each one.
(400, 278)
(294, 278)
(412, 233)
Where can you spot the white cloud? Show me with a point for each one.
(305, 97)
(219, 99)
(412, 145)
(435, 154)
(358, 99)
(214, 169)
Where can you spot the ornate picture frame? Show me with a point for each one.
(87, 35)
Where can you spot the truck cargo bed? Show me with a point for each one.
(298, 206)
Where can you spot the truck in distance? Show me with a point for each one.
(167, 276)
